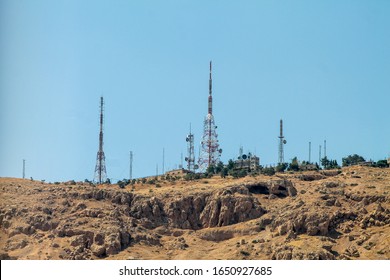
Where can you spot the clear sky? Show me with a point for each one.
(321, 66)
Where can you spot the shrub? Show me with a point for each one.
(281, 167)
(352, 160)
(269, 171)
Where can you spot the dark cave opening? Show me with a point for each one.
(258, 189)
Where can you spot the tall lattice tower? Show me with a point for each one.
(282, 142)
(210, 151)
(100, 169)
(190, 158)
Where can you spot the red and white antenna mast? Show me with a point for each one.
(210, 151)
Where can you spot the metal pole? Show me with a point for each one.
(24, 168)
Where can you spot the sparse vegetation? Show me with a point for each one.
(192, 176)
(329, 164)
(381, 163)
(269, 171)
(281, 167)
(294, 165)
(352, 160)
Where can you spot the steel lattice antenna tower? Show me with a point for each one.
(210, 151)
(100, 169)
(282, 142)
(190, 159)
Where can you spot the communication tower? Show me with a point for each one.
(282, 142)
(100, 168)
(190, 158)
(210, 150)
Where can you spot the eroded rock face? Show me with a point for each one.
(280, 188)
(280, 217)
(128, 218)
(215, 209)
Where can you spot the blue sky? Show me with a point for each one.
(321, 66)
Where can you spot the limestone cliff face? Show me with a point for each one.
(125, 218)
(340, 215)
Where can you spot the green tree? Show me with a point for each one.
(230, 164)
(268, 171)
(352, 160)
(294, 166)
(325, 162)
(382, 163)
(210, 169)
(224, 172)
(219, 167)
(281, 167)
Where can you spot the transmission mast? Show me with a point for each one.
(100, 169)
(282, 142)
(210, 150)
(190, 158)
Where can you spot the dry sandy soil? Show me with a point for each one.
(307, 215)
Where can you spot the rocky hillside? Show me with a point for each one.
(309, 215)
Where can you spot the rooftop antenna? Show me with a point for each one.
(131, 166)
(100, 168)
(309, 152)
(24, 168)
(211, 151)
(240, 152)
(282, 142)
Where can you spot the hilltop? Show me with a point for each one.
(304, 215)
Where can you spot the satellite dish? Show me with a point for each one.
(186, 159)
(244, 156)
(187, 139)
(196, 166)
(220, 151)
(284, 141)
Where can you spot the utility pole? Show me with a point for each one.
(24, 168)
(319, 156)
(131, 166)
(163, 162)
